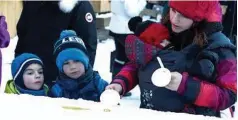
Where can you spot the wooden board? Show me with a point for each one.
(12, 11)
(102, 22)
(101, 6)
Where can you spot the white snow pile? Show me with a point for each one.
(29, 107)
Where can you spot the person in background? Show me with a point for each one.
(122, 12)
(4, 40)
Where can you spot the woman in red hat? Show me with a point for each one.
(191, 23)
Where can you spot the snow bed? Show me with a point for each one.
(29, 107)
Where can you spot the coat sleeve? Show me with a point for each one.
(4, 34)
(134, 7)
(127, 77)
(101, 84)
(84, 24)
(55, 91)
(21, 28)
(217, 96)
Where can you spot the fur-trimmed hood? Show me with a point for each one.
(67, 5)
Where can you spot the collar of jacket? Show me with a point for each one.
(10, 88)
(42, 92)
(72, 84)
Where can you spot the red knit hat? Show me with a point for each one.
(150, 32)
(199, 10)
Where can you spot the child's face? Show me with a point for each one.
(33, 77)
(179, 22)
(73, 69)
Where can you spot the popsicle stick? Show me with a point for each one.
(160, 62)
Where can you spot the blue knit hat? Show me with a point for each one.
(20, 63)
(71, 54)
(68, 39)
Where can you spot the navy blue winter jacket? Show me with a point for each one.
(88, 87)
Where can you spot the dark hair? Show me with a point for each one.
(200, 37)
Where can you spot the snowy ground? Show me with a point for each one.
(129, 105)
(29, 107)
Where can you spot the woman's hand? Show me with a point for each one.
(116, 87)
(176, 79)
(173, 60)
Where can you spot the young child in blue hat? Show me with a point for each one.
(28, 77)
(76, 77)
